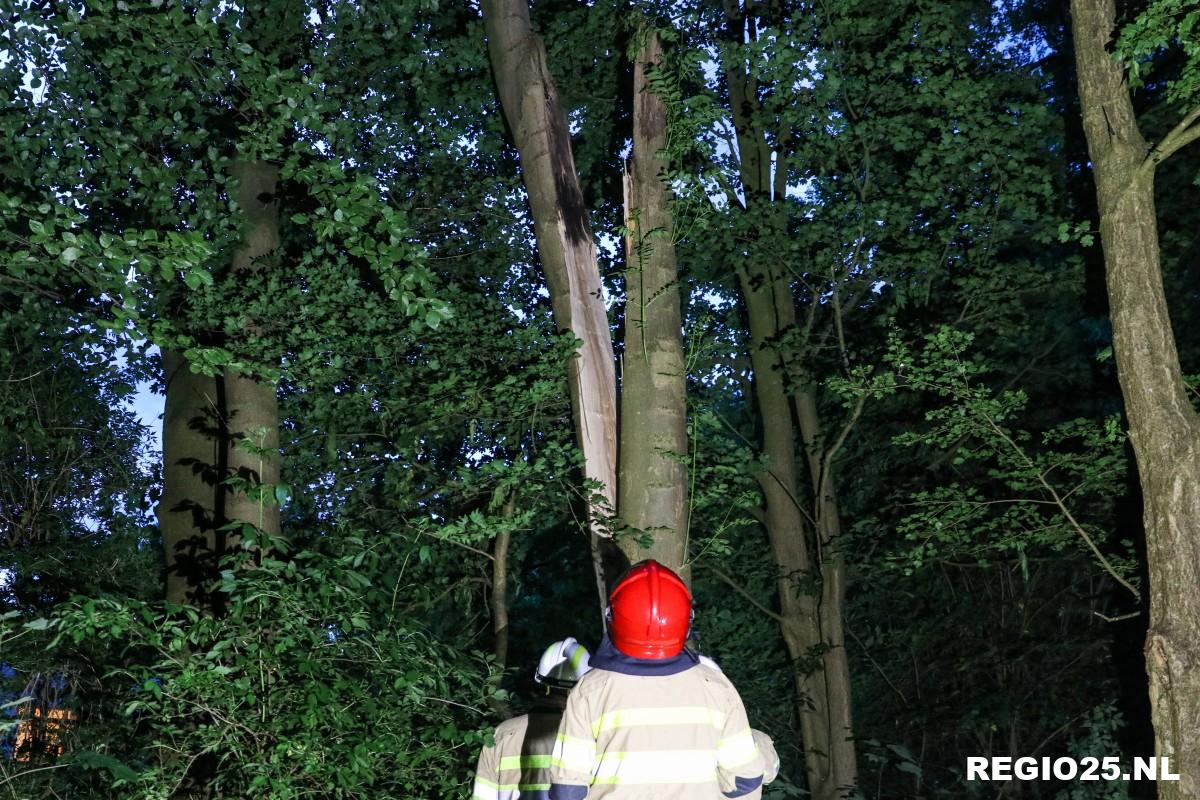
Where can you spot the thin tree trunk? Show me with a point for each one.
(500, 587)
(811, 619)
(653, 491)
(827, 528)
(566, 249)
(1163, 427)
(500, 601)
(803, 529)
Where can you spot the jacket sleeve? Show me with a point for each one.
(487, 775)
(766, 749)
(574, 757)
(739, 764)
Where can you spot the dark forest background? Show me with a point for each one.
(858, 286)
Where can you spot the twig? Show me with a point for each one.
(749, 597)
(1066, 512)
(875, 663)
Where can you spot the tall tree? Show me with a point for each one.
(565, 246)
(220, 433)
(1164, 427)
(653, 495)
(798, 484)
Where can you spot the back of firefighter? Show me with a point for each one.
(518, 764)
(649, 721)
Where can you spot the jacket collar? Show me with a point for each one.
(608, 657)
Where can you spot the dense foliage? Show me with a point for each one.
(914, 171)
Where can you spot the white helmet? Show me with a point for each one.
(563, 664)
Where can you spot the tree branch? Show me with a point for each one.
(732, 584)
(1180, 136)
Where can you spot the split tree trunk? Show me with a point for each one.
(203, 419)
(653, 492)
(566, 249)
(1163, 427)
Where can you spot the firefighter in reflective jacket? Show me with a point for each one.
(765, 744)
(518, 764)
(649, 720)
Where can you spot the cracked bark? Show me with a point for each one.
(1163, 427)
(567, 253)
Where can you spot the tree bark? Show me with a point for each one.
(653, 491)
(251, 405)
(566, 250)
(189, 506)
(1163, 427)
(804, 529)
(204, 418)
(827, 529)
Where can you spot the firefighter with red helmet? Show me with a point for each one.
(649, 720)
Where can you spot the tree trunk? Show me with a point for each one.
(827, 528)
(811, 585)
(653, 492)
(500, 602)
(565, 248)
(204, 419)
(190, 503)
(251, 405)
(500, 585)
(1163, 427)
(804, 530)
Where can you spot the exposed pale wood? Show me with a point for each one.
(566, 249)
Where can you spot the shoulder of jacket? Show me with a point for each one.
(592, 682)
(713, 675)
(511, 727)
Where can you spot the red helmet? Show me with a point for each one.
(650, 611)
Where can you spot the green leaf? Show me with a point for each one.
(89, 759)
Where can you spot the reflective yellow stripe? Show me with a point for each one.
(576, 657)
(641, 717)
(485, 790)
(573, 754)
(519, 762)
(734, 751)
(657, 766)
